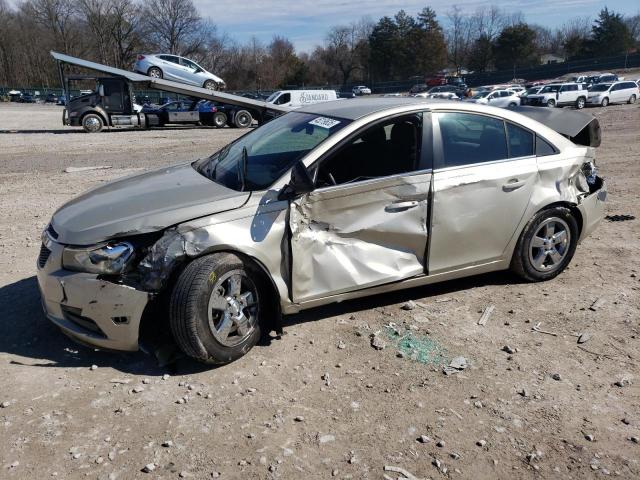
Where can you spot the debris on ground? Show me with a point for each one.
(410, 305)
(455, 366)
(597, 304)
(584, 337)
(536, 328)
(86, 169)
(377, 342)
(486, 314)
(407, 475)
(620, 218)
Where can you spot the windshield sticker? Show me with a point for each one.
(324, 122)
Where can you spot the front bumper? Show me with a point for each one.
(90, 310)
(594, 100)
(592, 208)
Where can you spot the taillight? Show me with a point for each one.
(140, 57)
(214, 109)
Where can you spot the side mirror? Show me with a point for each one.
(300, 183)
(101, 90)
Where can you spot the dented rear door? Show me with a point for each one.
(352, 236)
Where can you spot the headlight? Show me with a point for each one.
(108, 259)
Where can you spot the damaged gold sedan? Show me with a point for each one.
(330, 202)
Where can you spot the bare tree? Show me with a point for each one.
(173, 26)
(96, 16)
(58, 17)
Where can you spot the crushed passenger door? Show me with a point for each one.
(357, 235)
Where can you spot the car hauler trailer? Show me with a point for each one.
(111, 104)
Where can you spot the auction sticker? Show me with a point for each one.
(324, 122)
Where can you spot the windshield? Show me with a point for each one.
(550, 88)
(272, 97)
(256, 160)
(481, 94)
(601, 87)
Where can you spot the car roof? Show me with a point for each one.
(361, 107)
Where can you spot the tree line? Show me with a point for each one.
(397, 47)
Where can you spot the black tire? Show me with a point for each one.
(92, 123)
(522, 262)
(580, 103)
(219, 119)
(155, 72)
(210, 85)
(513, 104)
(551, 102)
(605, 102)
(632, 99)
(242, 119)
(189, 318)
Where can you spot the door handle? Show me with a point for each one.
(401, 206)
(513, 184)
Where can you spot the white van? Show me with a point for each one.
(299, 98)
(617, 92)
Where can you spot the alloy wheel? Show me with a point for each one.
(233, 308)
(549, 245)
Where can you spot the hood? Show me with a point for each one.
(142, 203)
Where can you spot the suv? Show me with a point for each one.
(361, 90)
(617, 92)
(560, 95)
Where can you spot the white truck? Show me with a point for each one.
(560, 95)
(299, 98)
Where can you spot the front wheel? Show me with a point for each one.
(580, 103)
(92, 123)
(632, 99)
(219, 119)
(214, 310)
(605, 102)
(513, 104)
(546, 245)
(210, 85)
(551, 103)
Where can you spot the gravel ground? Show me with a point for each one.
(322, 402)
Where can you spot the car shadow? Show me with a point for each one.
(422, 293)
(60, 131)
(26, 333)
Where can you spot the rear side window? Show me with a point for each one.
(469, 138)
(520, 141)
(544, 148)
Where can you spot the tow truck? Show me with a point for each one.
(112, 104)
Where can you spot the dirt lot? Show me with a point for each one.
(320, 401)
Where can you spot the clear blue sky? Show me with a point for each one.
(305, 22)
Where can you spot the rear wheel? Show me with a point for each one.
(154, 72)
(632, 99)
(551, 103)
(580, 103)
(210, 85)
(605, 101)
(215, 309)
(243, 119)
(546, 245)
(92, 123)
(219, 119)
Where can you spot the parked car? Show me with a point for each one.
(183, 111)
(460, 89)
(529, 91)
(560, 95)
(320, 205)
(618, 92)
(62, 100)
(27, 98)
(497, 98)
(361, 90)
(604, 78)
(419, 88)
(178, 69)
(51, 98)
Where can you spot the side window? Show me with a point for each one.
(388, 148)
(544, 148)
(520, 141)
(504, 93)
(469, 138)
(171, 58)
(282, 99)
(188, 63)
